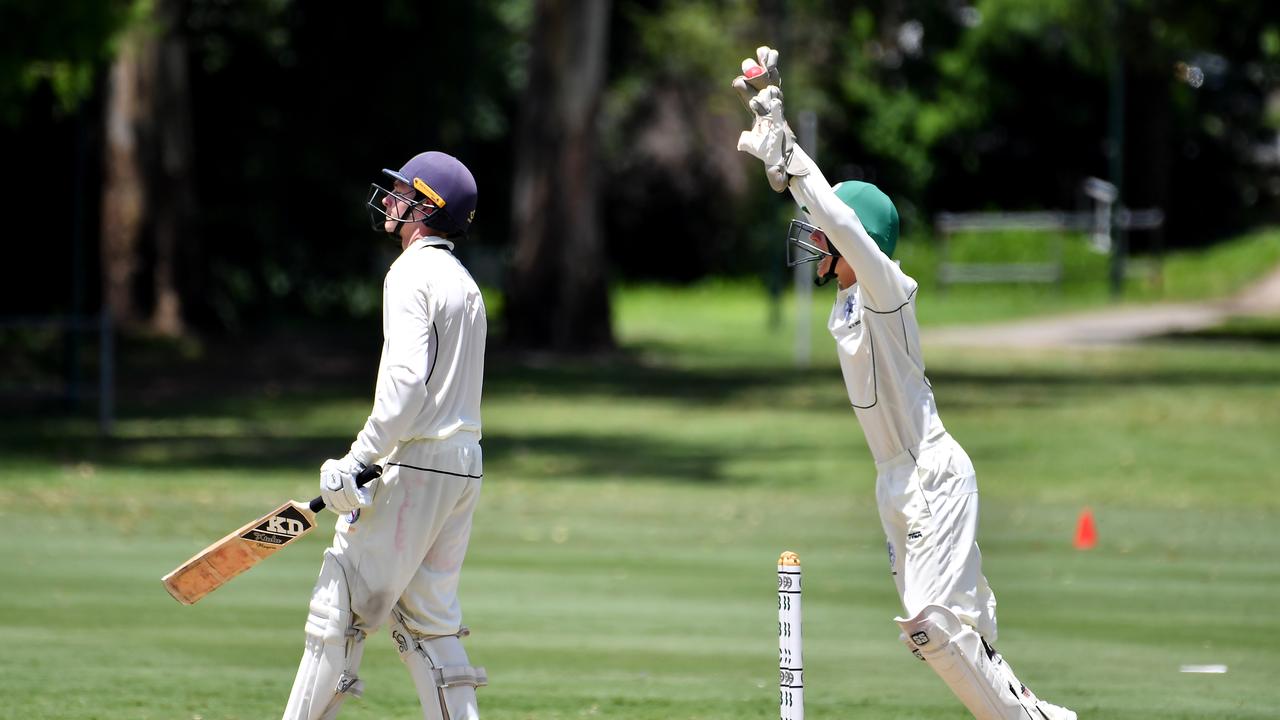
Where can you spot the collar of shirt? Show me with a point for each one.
(432, 241)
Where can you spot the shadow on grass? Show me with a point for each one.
(182, 452)
(244, 427)
(977, 390)
(631, 379)
(530, 456)
(791, 388)
(1240, 330)
(617, 457)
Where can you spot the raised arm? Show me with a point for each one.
(788, 167)
(879, 276)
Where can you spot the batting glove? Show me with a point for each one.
(338, 485)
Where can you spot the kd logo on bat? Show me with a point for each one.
(284, 526)
(279, 528)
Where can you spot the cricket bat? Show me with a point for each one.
(214, 566)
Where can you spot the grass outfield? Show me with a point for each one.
(622, 563)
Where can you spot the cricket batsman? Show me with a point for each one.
(926, 490)
(399, 542)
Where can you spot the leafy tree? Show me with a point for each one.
(298, 106)
(1004, 103)
(61, 46)
(294, 107)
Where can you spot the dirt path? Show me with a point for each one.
(1111, 326)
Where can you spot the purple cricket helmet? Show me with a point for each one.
(442, 182)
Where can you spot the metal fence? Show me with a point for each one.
(74, 328)
(1101, 223)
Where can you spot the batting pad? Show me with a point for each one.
(441, 672)
(334, 648)
(973, 670)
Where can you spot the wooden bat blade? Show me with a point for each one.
(214, 566)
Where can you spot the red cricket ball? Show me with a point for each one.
(754, 72)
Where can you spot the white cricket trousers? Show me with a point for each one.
(406, 551)
(928, 502)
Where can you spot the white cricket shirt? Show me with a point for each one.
(434, 329)
(874, 326)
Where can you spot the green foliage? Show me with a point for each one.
(946, 106)
(686, 41)
(318, 98)
(61, 45)
(668, 126)
(1004, 103)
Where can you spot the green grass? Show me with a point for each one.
(622, 558)
(1220, 270)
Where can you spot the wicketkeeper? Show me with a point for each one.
(399, 542)
(926, 490)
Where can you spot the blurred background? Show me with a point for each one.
(197, 169)
(1090, 199)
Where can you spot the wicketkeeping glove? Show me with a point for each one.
(770, 138)
(758, 74)
(338, 485)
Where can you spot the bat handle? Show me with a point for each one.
(366, 476)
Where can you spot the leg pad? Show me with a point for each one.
(445, 679)
(334, 648)
(973, 670)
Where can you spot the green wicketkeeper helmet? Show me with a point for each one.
(875, 210)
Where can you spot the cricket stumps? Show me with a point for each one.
(790, 662)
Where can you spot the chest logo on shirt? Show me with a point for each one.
(850, 311)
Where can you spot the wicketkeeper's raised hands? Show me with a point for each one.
(770, 138)
(758, 74)
(766, 139)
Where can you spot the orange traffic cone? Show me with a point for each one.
(1086, 533)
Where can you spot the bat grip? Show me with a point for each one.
(366, 476)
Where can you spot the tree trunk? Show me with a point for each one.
(124, 196)
(557, 294)
(171, 177)
(148, 174)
